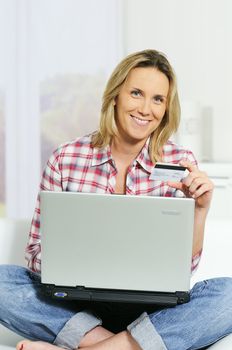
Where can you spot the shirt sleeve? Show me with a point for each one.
(51, 181)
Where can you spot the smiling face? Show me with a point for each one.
(141, 104)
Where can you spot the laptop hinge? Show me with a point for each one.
(182, 297)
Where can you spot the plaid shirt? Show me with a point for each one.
(78, 167)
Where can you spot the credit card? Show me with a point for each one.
(168, 172)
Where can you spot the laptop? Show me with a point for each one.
(117, 248)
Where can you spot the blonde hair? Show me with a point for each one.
(170, 122)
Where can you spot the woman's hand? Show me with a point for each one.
(196, 185)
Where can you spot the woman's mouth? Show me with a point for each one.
(140, 122)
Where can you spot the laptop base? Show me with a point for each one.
(109, 295)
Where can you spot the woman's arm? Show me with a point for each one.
(196, 185)
(51, 181)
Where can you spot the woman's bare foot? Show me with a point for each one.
(36, 345)
(93, 337)
(121, 340)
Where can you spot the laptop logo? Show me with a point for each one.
(170, 212)
(60, 294)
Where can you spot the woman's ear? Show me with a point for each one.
(115, 101)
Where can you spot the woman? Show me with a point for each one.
(140, 112)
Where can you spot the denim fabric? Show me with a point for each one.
(194, 325)
(143, 331)
(25, 310)
(71, 334)
(199, 323)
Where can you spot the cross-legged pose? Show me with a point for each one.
(140, 111)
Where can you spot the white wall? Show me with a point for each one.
(196, 37)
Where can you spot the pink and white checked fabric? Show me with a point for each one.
(78, 167)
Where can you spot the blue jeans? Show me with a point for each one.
(197, 324)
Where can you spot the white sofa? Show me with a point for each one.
(13, 237)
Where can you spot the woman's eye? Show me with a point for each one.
(158, 99)
(135, 93)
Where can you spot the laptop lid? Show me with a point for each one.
(116, 243)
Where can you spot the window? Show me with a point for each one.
(58, 61)
(75, 52)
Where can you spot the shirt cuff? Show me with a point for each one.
(195, 261)
(75, 329)
(144, 333)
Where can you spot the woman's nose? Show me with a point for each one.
(145, 108)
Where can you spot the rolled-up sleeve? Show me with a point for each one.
(195, 261)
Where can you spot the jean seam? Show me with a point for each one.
(199, 288)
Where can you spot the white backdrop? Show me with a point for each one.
(196, 37)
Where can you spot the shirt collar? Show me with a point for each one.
(144, 159)
(103, 155)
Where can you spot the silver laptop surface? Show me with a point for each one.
(116, 247)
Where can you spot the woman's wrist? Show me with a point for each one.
(202, 210)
